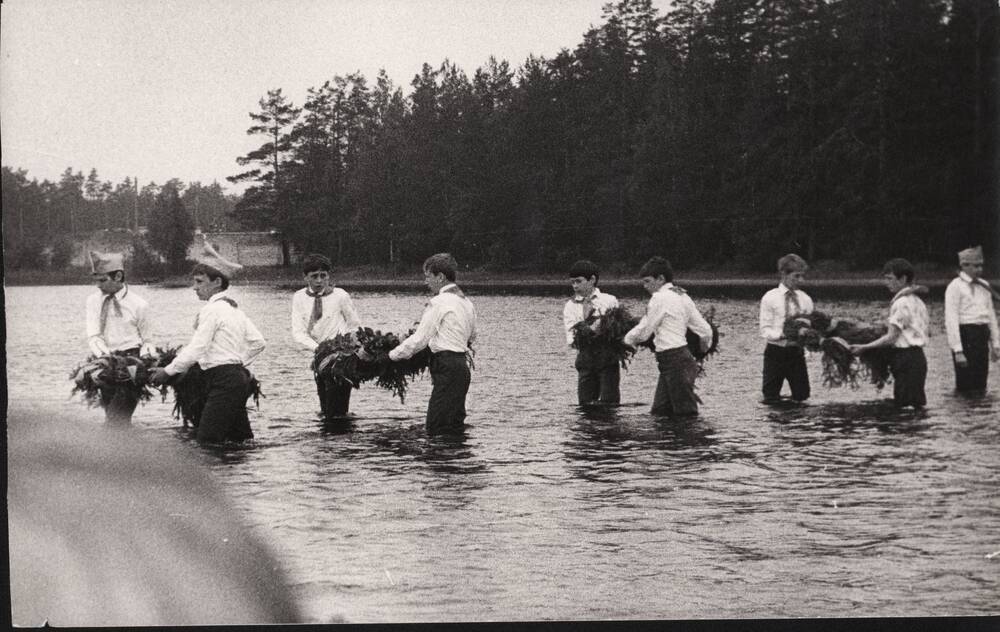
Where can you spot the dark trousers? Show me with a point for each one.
(785, 363)
(224, 417)
(120, 403)
(598, 378)
(909, 373)
(976, 348)
(675, 389)
(451, 377)
(334, 397)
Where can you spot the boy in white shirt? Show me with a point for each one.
(448, 327)
(118, 320)
(907, 336)
(321, 311)
(598, 374)
(783, 358)
(670, 313)
(971, 323)
(225, 341)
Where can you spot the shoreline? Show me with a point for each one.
(822, 285)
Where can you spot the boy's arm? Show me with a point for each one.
(569, 320)
(208, 322)
(351, 318)
(300, 321)
(144, 324)
(254, 341)
(429, 323)
(698, 324)
(952, 301)
(768, 329)
(648, 324)
(95, 340)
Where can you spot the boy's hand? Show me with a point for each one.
(363, 355)
(995, 355)
(960, 359)
(159, 376)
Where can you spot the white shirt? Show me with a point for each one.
(448, 324)
(968, 303)
(132, 329)
(224, 336)
(773, 314)
(339, 317)
(669, 315)
(909, 313)
(573, 311)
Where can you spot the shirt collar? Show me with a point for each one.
(666, 287)
(218, 296)
(446, 288)
(120, 294)
(784, 288)
(965, 277)
(593, 295)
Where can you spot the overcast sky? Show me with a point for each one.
(162, 88)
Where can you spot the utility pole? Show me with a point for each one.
(135, 206)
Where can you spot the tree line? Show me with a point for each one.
(723, 132)
(42, 219)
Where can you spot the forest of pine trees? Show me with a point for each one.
(722, 133)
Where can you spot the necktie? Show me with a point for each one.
(986, 284)
(791, 304)
(235, 305)
(317, 311)
(109, 301)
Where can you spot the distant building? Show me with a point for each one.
(245, 248)
(104, 240)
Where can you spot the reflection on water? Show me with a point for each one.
(542, 510)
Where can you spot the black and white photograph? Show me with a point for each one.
(526, 313)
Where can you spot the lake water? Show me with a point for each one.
(542, 511)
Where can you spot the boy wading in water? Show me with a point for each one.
(448, 327)
(598, 372)
(320, 312)
(224, 342)
(971, 324)
(670, 313)
(907, 336)
(784, 359)
(117, 321)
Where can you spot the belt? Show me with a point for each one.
(448, 353)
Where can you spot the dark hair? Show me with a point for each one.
(657, 266)
(792, 263)
(584, 268)
(211, 273)
(442, 263)
(900, 268)
(315, 262)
